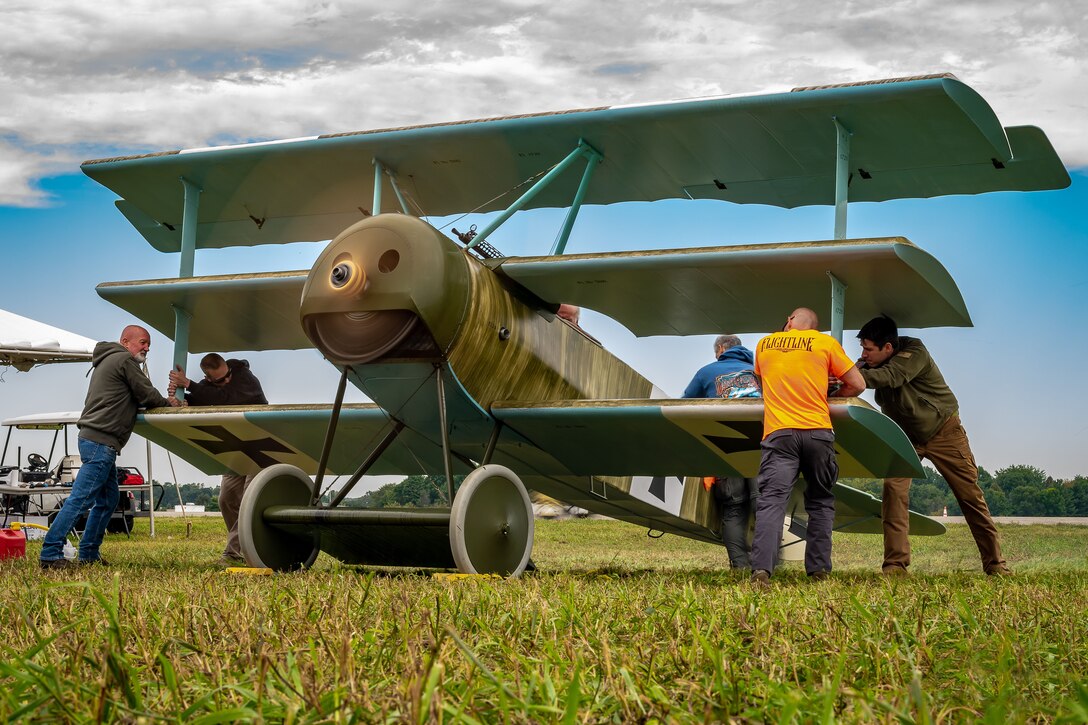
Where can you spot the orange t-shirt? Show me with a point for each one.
(793, 367)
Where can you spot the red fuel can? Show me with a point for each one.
(12, 544)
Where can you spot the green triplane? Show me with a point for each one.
(471, 371)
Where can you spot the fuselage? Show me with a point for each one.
(393, 290)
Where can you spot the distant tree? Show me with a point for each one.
(1052, 501)
(194, 493)
(412, 492)
(927, 498)
(1025, 500)
(1014, 477)
(1075, 493)
(873, 486)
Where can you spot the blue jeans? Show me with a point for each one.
(95, 486)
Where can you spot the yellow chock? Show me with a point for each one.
(250, 570)
(455, 577)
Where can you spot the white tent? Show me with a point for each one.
(25, 343)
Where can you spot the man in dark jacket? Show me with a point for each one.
(226, 382)
(911, 391)
(117, 390)
(730, 375)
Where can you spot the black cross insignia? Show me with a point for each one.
(752, 431)
(657, 486)
(230, 443)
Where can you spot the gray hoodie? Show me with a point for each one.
(118, 388)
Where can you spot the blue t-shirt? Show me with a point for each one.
(719, 379)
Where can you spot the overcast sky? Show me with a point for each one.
(80, 80)
(87, 80)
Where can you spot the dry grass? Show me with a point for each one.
(615, 627)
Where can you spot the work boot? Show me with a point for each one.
(94, 562)
(761, 579)
(819, 576)
(999, 570)
(894, 570)
(229, 560)
(51, 564)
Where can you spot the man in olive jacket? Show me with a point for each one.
(911, 391)
(117, 390)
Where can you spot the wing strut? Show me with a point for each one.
(376, 207)
(188, 260)
(391, 436)
(838, 306)
(446, 463)
(330, 433)
(491, 442)
(583, 149)
(842, 176)
(592, 159)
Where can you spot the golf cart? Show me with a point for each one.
(37, 485)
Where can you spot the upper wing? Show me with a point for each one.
(741, 288)
(915, 137)
(686, 438)
(245, 439)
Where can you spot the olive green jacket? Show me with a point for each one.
(911, 390)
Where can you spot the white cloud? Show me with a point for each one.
(93, 79)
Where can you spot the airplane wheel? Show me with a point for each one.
(263, 545)
(491, 523)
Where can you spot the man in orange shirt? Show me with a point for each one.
(794, 366)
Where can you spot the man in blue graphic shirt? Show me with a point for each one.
(730, 376)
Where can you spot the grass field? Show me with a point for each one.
(614, 627)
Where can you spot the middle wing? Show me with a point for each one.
(744, 288)
(246, 439)
(672, 291)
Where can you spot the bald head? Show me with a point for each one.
(802, 319)
(137, 341)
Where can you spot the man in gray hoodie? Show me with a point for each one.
(118, 389)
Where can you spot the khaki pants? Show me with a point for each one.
(950, 453)
(231, 489)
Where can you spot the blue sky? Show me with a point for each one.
(1019, 259)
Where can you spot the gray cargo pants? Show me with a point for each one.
(736, 499)
(231, 489)
(786, 453)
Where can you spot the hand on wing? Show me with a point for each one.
(171, 390)
(175, 403)
(177, 377)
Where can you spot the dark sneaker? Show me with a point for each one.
(94, 562)
(56, 564)
(819, 576)
(999, 570)
(761, 579)
(894, 570)
(228, 560)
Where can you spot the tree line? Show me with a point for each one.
(1012, 491)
